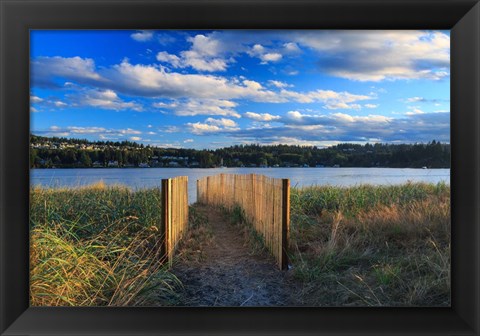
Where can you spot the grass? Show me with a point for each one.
(356, 246)
(192, 247)
(253, 239)
(97, 246)
(372, 245)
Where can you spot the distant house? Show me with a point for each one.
(194, 164)
(97, 164)
(143, 165)
(112, 164)
(173, 164)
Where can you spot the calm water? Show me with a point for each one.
(151, 177)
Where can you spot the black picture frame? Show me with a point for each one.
(18, 16)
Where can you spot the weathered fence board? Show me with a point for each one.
(174, 213)
(264, 200)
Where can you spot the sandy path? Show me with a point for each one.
(229, 274)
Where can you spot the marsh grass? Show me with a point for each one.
(253, 239)
(372, 246)
(95, 246)
(199, 236)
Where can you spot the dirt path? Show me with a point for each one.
(217, 267)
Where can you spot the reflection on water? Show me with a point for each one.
(299, 177)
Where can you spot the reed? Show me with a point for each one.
(372, 245)
(96, 246)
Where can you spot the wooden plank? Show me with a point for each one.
(265, 202)
(164, 224)
(285, 222)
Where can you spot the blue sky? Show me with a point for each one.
(210, 89)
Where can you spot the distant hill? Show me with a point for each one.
(58, 152)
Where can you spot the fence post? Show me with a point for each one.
(198, 192)
(165, 216)
(285, 221)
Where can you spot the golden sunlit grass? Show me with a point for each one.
(97, 245)
(374, 246)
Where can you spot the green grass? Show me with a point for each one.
(95, 246)
(372, 246)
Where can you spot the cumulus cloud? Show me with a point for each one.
(291, 47)
(35, 99)
(332, 99)
(372, 106)
(147, 80)
(211, 125)
(264, 54)
(45, 71)
(345, 128)
(142, 36)
(261, 116)
(202, 56)
(100, 132)
(192, 107)
(379, 55)
(154, 81)
(103, 99)
(59, 103)
(279, 84)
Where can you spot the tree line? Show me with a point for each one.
(57, 152)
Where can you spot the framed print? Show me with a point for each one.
(230, 167)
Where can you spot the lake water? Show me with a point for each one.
(299, 177)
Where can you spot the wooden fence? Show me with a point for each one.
(264, 200)
(174, 213)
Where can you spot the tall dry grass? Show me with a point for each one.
(97, 245)
(373, 246)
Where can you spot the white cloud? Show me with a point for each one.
(45, 69)
(414, 110)
(188, 140)
(135, 138)
(174, 60)
(379, 55)
(261, 116)
(171, 129)
(263, 54)
(142, 35)
(279, 84)
(35, 99)
(104, 99)
(371, 106)
(192, 107)
(223, 122)
(351, 128)
(129, 131)
(100, 132)
(202, 56)
(211, 125)
(415, 99)
(59, 103)
(291, 47)
(156, 82)
(332, 99)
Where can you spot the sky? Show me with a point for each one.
(211, 89)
